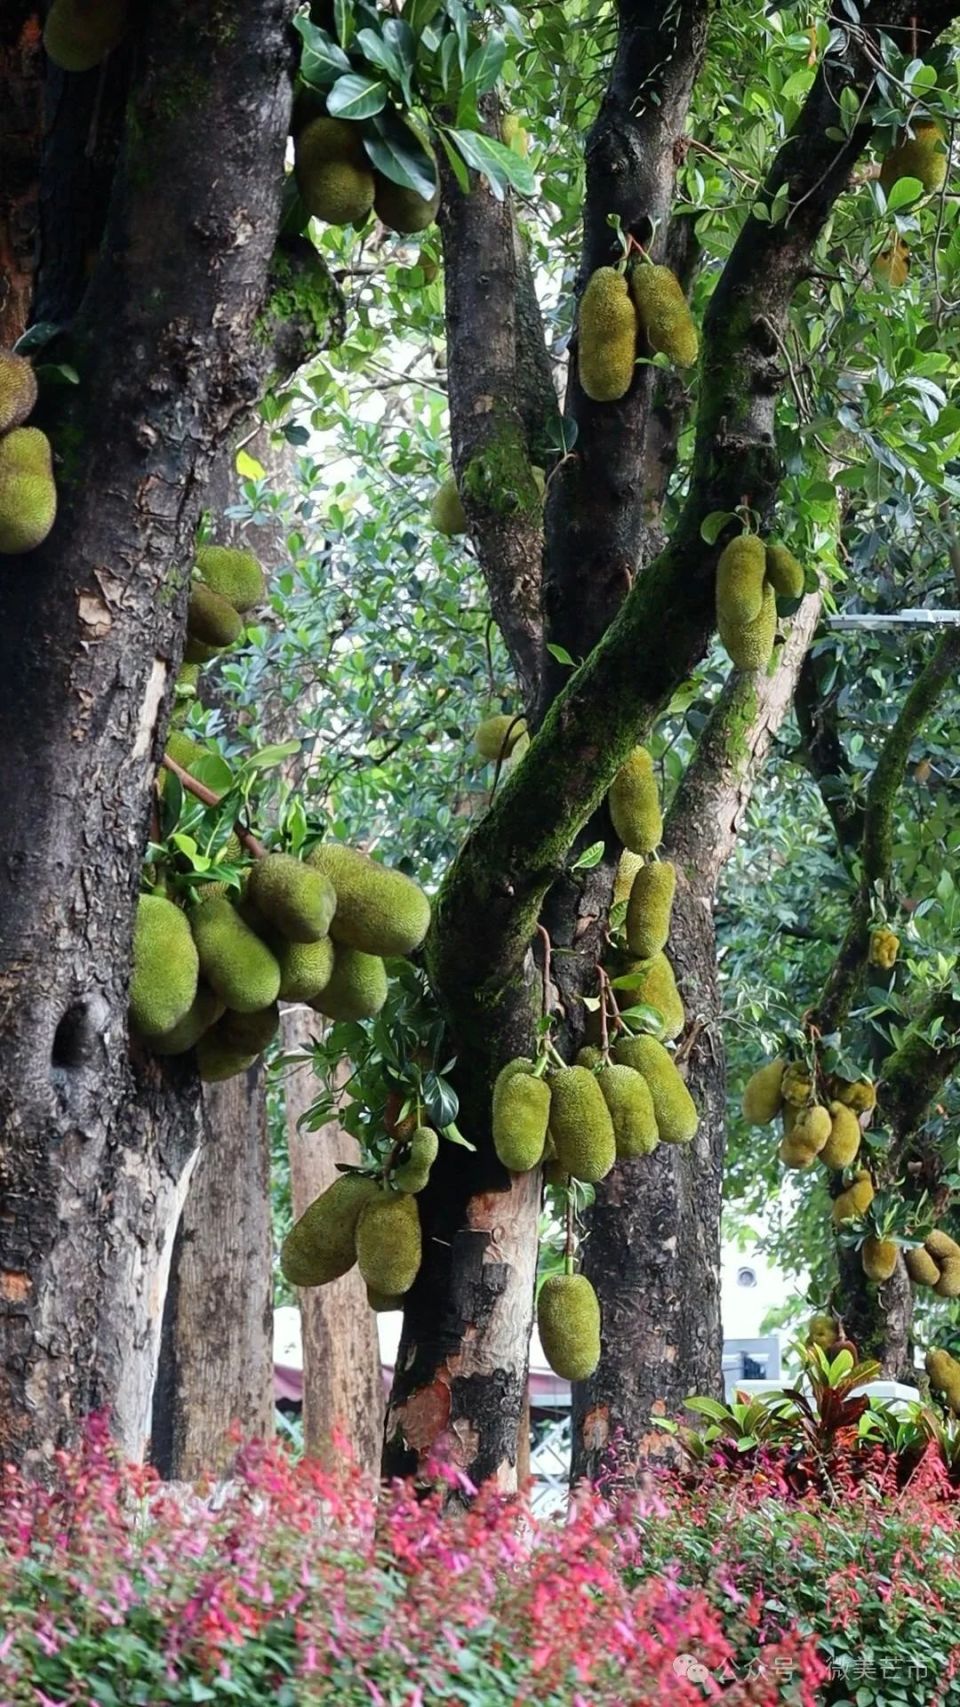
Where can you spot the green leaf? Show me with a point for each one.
(562, 655)
(485, 64)
(321, 61)
(274, 755)
(457, 166)
(905, 190)
(344, 21)
(399, 154)
(502, 168)
(248, 467)
(442, 1102)
(419, 13)
(713, 525)
(590, 857)
(355, 97)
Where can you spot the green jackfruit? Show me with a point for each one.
(948, 1286)
(664, 313)
(414, 1172)
(630, 864)
(521, 1110)
(589, 1056)
(941, 1246)
(333, 173)
(861, 1096)
(634, 804)
(203, 1012)
(673, 1106)
(184, 751)
(165, 967)
(650, 907)
(378, 910)
(749, 644)
(383, 1301)
(294, 898)
(233, 959)
(568, 1322)
(28, 496)
(822, 1331)
(514, 135)
(217, 1061)
(249, 1032)
(784, 573)
(740, 575)
(813, 1126)
(796, 1151)
(655, 985)
(581, 1125)
(607, 333)
(796, 1086)
(305, 968)
(879, 1258)
(357, 987)
(922, 1269)
(944, 1374)
(762, 1096)
(630, 1102)
(884, 946)
(233, 574)
(18, 390)
(79, 34)
(210, 619)
(497, 737)
(196, 652)
(388, 1243)
(447, 512)
(321, 1246)
(856, 1200)
(844, 1140)
(403, 210)
(921, 155)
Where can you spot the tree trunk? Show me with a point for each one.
(342, 1379)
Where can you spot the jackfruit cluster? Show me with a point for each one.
(606, 336)
(922, 156)
(28, 494)
(653, 983)
(827, 1132)
(78, 34)
(568, 1322)
(943, 1372)
(935, 1263)
(339, 184)
(228, 583)
(674, 1109)
(664, 314)
(746, 603)
(884, 947)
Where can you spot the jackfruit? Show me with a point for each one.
(28, 496)
(861, 1096)
(884, 945)
(184, 751)
(856, 1200)
(233, 959)
(673, 1106)
(796, 1151)
(514, 135)
(195, 652)
(378, 910)
(740, 575)
(78, 34)
(497, 737)
(650, 907)
(568, 1322)
(634, 803)
(521, 1109)
(879, 1258)
(249, 1032)
(844, 1140)
(629, 1099)
(941, 1246)
(948, 1286)
(447, 512)
(305, 968)
(921, 155)
(413, 1173)
(589, 1056)
(762, 1096)
(321, 1246)
(18, 390)
(822, 1331)
(922, 1269)
(295, 899)
(210, 619)
(655, 985)
(233, 574)
(389, 1244)
(796, 1086)
(607, 333)
(892, 266)
(784, 573)
(357, 987)
(382, 1301)
(403, 210)
(203, 1012)
(218, 1060)
(163, 984)
(333, 173)
(554, 1173)
(664, 313)
(630, 864)
(944, 1375)
(580, 1124)
(749, 645)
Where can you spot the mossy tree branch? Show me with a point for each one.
(825, 757)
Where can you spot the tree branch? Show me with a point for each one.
(209, 798)
(825, 756)
(21, 131)
(912, 1074)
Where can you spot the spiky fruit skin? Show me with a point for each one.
(656, 987)
(305, 969)
(856, 1200)
(233, 959)
(844, 1140)
(630, 864)
(892, 265)
(294, 898)
(402, 210)
(414, 1172)
(79, 34)
(18, 390)
(334, 176)
(762, 1096)
(650, 907)
(321, 1246)
(922, 1269)
(749, 645)
(630, 1102)
(210, 619)
(796, 1152)
(568, 1322)
(233, 574)
(497, 737)
(196, 652)
(921, 155)
(796, 1085)
(879, 1258)
(521, 1110)
(740, 574)
(884, 946)
(447, 512)
(184, 751)
(379, 911)
(948, 1285)
(581, 1125)
(822, 1331)
(514, 135)
(860, 1095)
(607, 337)
(28, 496)
(203, 1012)
(664, 314)
(634, 804)
(784, 573)
(673, 1106)
(389, 1244)
(356, 988)
(944, 1375)
(163, 984)
(941, 1246)
(251, 1032)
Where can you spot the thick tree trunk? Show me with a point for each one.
(342, 1379)
(95, 1150)
(21, 128)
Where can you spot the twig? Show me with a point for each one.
(208, 797)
